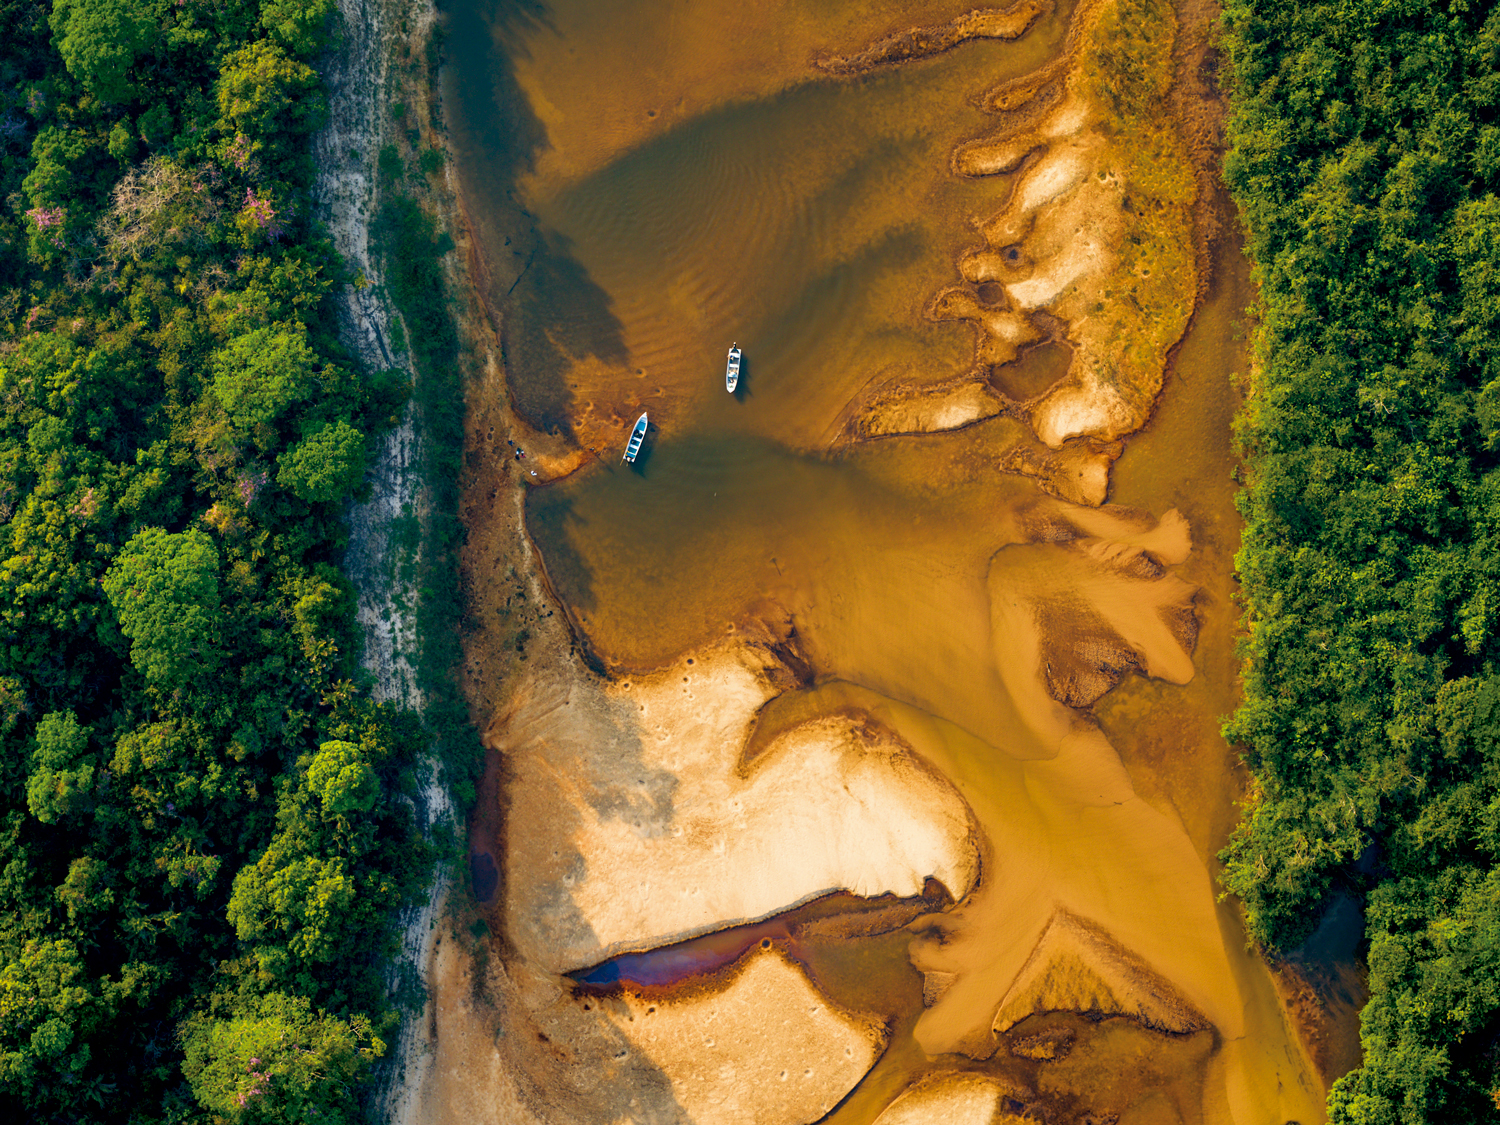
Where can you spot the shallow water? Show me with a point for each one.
(811, 224)
(651, 181)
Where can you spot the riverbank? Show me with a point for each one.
(386, 192)
(382, 175)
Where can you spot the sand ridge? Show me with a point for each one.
(1078, 967)
(1092, 232)
(924, 42)
(953, 1099)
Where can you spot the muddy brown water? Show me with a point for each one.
(651, 181)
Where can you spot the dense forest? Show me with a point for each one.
(207, 826)
(1365, 160)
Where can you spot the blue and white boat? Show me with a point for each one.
(732, 373)
(637, 436)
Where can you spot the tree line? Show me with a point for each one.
(205, 824)
(1365, 160)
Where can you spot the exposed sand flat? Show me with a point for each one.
(1085, 407)
(1059, 171)
(951, 1099)
(758, 1046)
(635, 830)
(767, 1049)
(1069, 120)
(1076, 967)
(945, 406)
(1042, 287)
(991, 158)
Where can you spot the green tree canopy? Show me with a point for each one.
(293, 902)
(1365, 162)
(328, 465)
(61, 774)
(301, 26)
(280, 1063)
(342, 779)
(44, 1001)
(260, 375)
(268, 97)
(164, 588)
(100, 41)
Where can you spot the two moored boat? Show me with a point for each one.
(638, 433)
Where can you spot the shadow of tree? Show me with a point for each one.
(556, 315)
(550, 312)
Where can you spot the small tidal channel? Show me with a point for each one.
(651, 181)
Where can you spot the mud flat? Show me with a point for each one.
(859, 671)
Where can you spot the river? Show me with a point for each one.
(649, 181)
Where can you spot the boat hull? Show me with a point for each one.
(637, 436)
(732, 371)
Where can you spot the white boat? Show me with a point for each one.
(732, 373)
(637, 436)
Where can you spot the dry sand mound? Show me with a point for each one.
(635, 828)
(767, 1050)
(951, 1099)
(1076, 967)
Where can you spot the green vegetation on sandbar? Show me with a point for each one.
(1366, 160)
(205, 829)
